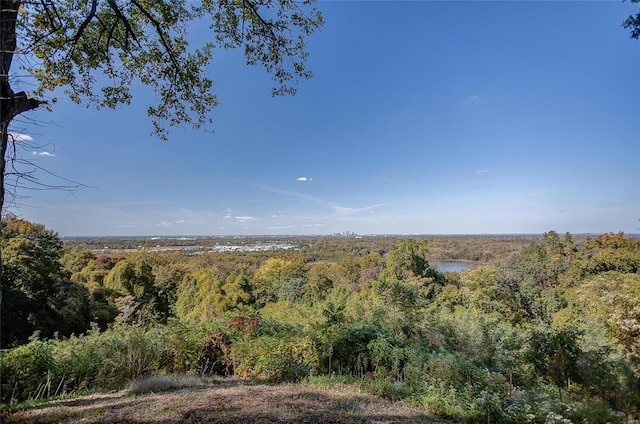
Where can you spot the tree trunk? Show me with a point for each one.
(11, 104)
(4, 129)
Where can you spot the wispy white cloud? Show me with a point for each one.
(45, 153)
(483, 171)
(20, 137)
(304, 179)
(164, 224)
(246, 218)
(337, 209)
(283, 227)
(342, 210)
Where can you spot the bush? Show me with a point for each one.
(194, 349)
(388, 357)
(487, 407)
(108, 360)
(544, 406)
(28, 372)
(592, 411)
(79, 361)
(349, 350)
(126, 353)
(394, 390)
(274, 359)
(440, 399)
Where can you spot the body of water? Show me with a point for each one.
(451, 266)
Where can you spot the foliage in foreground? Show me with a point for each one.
(547, 335)
(438, 380)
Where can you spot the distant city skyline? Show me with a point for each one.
(421, 118)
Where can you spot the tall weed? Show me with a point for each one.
(440, 399)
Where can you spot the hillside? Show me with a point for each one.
(229, 402)
(547, 333)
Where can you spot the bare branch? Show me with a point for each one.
(23, 174)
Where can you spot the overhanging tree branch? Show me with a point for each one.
(145, 41)
(632, 23)
(87, 20)
(160, 32)
(121, 18)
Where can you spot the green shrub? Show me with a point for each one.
(446, 367)
(440, 399)
(544, 406)
(201, 350)
(388, 357)
(593, 411)
(487, 407)
(79, 361)
(28, 372)
(518, 408)
(125, 354)
(348, 350)
(394, 390)
(108, 360)
(274, 359)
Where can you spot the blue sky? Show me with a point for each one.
(421, 118)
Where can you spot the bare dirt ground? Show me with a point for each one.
(229, 402)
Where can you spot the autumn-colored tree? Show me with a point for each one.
(607, 252)
(408, 259)
(277, 275)
(615, 298)
(135, 277)
(319, 283)
(237, 291)
(200, 297)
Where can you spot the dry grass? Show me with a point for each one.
(163, 383)
(229, 402)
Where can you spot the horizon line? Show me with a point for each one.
(345, 234)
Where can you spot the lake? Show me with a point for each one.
(451, 266)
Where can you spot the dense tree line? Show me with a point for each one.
(321, 248)
(546, 333)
